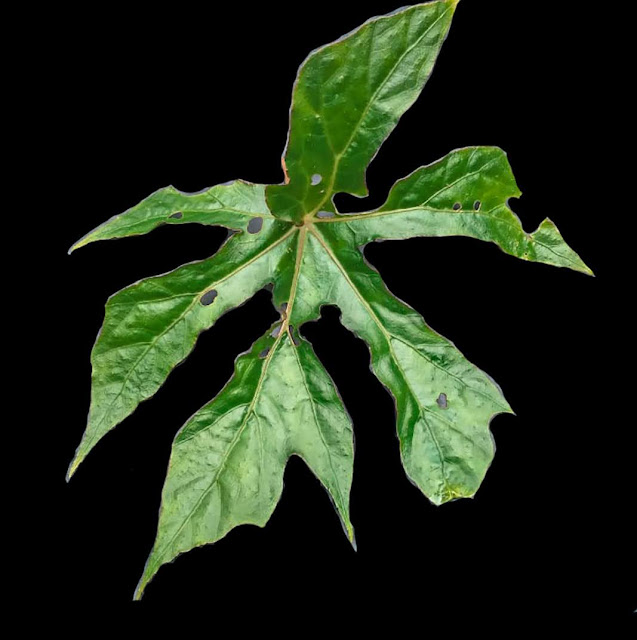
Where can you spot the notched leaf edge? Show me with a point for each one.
(174, 216)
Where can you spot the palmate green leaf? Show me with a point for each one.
(227, 462)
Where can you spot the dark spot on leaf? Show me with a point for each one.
(255, 225)
(208, 297)
(477, 204)
(177, 215)
(442, 401)
(324, 214)
(295, 342)
(276, 331)
(457, 206)
(316, 179)
(264, 353)
(284, 307)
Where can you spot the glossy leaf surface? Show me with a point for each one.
(151, 326)
(228, 460)
(348, 97)
(234, 205)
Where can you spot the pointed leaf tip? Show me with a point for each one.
(75, 463)
(139, 592)
(349, 532)
(145, 578)
(550, 248)
(76, 245)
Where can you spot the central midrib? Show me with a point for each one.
(388, 337)
(355, 129)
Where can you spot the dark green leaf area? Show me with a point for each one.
(227, 462)
(348, 97)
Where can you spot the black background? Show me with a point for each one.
(198, 96)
